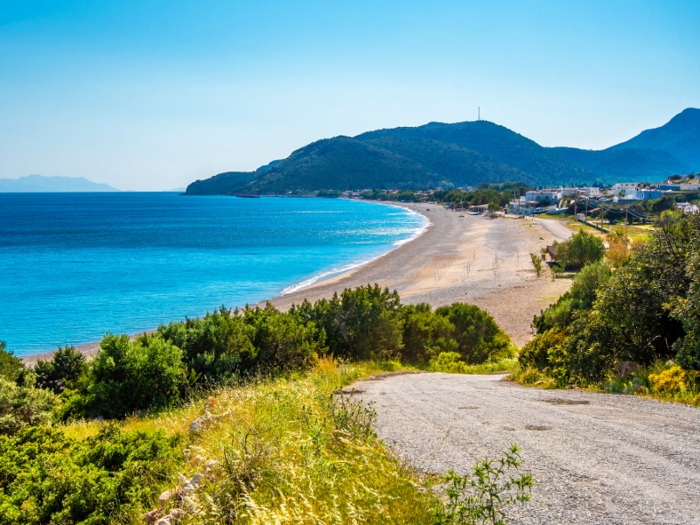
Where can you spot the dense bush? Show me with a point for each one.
(160, 369)
(426, 335)
(10, 366)
(23, 405)
(47, 478)
(583, 292)
(686, 309)
(364, 323)
(226, 343)
(477, 335)
(535, 354)
(63, 371)
(581, 249)
(130, 376)
(639, 313)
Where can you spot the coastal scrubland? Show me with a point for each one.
(241, 414)
(630, 329)
(244, 415)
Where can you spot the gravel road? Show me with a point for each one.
(595, 458)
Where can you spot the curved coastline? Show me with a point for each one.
(357, 265)
(90, 349)
(457, 258)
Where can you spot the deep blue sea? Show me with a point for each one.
(75, 266)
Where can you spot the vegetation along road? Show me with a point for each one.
(595, 458)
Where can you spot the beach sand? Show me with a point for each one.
(459, 258)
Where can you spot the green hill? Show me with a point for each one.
(343, 163)
(221, 184)
(464, 154)
(460, 166)
(679, 137)
(626, 165)
(500, 143)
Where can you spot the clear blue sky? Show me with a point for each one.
(150, 94)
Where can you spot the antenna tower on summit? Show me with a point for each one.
(479, 116)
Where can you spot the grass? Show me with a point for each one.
(681, 386)
(490, 367)
(293, 450)
(290, 450)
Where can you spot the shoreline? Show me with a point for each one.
(457, 258)
(90, 349)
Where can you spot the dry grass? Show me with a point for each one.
(290, 450)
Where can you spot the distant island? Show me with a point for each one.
(42, 184)
(464, 154)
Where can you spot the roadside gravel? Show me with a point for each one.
(595, 458)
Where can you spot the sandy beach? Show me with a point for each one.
(459, 258)
(462, 258)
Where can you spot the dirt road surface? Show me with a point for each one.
(595, 458)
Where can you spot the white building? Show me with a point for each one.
(643, 195)
(687, 208)
(590, 192)
(625, 187)
(537, 196)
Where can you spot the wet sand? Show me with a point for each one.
(459, 258)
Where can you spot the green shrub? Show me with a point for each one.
(630, 320)
(535, 353)
(581, 249)
(686, 309)
(477, 335)
(63, 371)
(530, 376)
(449, 362)
(113, 477)
(581, 296)
(10, 366)
(482, 496)
(23, 405)
(537, 263)
(214, 347)
(364, 323)
(132, 376)
(425, 334)
(244, 342)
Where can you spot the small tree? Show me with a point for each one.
(581, 249)
(537, 263)
(10, 366)
(62, 371)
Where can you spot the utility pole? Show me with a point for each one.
(626, 222)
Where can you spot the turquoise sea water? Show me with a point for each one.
(74, 266)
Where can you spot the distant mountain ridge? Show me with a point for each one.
(626, 165)
(679, 137)
(42, 184)
(460, 154)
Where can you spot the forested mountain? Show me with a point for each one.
(498, 142)
(462, 154)
(343, 163)
(679, 137)
(221, 184)
(626, 165)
